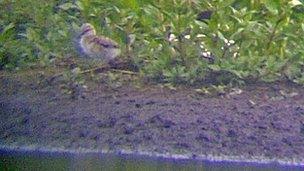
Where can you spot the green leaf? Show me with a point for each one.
(202, 24)
(302, 26)
(7, 32)
(8, 27)
(237, 34)
(67, 6)
(214, 67)
(294, 3)
(132, 4)
(225, 3)
(273, 6)
(80, 5)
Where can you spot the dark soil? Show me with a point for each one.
(262, 120)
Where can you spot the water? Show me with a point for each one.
(44, 161)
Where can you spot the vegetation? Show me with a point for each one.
(245, 40)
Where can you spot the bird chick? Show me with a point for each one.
(97, 47)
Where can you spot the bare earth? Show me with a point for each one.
(262, 120)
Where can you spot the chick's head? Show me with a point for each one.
(87, 29)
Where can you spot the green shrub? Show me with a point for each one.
(250, 40)
(41, 31)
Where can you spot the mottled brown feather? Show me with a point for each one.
(105, 42)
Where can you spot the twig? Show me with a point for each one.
(125, 72)
(100, 69)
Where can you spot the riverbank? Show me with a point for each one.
(255, 122)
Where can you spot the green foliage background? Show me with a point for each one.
(268, 36)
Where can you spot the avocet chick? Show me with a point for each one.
(97, 47)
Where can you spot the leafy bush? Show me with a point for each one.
(244, 40)
(41, 31)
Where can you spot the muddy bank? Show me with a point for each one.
(260, 121)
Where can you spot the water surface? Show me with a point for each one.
(35, 160)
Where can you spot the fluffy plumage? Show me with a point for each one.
(97, 47)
